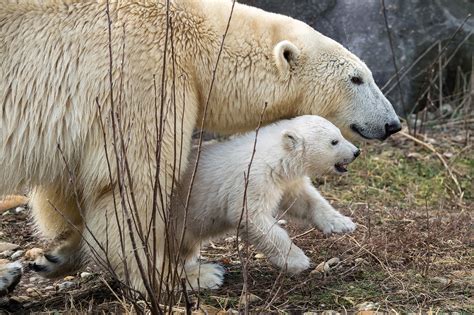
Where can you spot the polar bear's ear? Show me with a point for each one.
(291, 140)
(285, 54)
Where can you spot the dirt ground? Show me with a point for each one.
(412, 251)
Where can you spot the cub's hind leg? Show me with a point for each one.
(57, 219)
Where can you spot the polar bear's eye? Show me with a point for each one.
(334, 142)
(357, 80)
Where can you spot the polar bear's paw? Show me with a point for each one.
(337, 223)
(294, 262)
(46, 264)
(53, 265)
(10, 275)
(204, 276)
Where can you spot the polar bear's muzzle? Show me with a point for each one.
(341, 167)
(382, 134)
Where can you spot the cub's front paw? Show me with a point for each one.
(337, 224)
(205, 276)
(293, 262)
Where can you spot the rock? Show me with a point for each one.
(321, 268)
(7, 253)
(230, 239)
(250, 298)
(85, 275)
(333, 262)
(2, 234)
(4, 246)
(66, 285)
(20, 299)
(49, 288)
(33, 279)
(33, 253)
(32, 292)
(441, 280)
(415, 27)
(282, 222)
(361, 261)
(17, 254)
(448, 155)
(259, 256)
(69, 278)
(367, 306)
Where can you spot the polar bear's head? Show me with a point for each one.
(334, 83)
(318, 145)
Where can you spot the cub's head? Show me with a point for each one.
(330, 81)
(318, 145)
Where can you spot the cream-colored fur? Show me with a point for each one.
(287, 154)
(54, 65)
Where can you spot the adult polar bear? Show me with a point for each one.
(54, 63)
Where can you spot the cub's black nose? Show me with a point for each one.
(357, 153)
(392, 128)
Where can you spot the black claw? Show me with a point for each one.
(37, 268)
(51, 258)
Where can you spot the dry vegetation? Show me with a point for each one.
(412, 250)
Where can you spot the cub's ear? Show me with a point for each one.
(285, 54)
(291, 140)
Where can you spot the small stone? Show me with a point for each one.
(4, 261)
(7, 253)
(321, 268)
(361, 261)
(33, 279)
(441, 280)
(20, 299)
(7, 246)
(30, 290)
(282, 222)
(259, 256)
(249, 298)
(85, 275)
(448, 155)
(19, 210)
(66, 285)
(333, 262)
(2, 234)
(69, 278)
(49, 288)
(17, 254)
(367, 306)
(230, 239)
(33, 253)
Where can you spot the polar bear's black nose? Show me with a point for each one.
(392, 128)
(357, 153)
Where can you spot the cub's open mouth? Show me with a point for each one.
(340, 167)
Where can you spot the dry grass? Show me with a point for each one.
(412, 250)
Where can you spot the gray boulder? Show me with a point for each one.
(416, 26)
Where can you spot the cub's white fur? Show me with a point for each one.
(287, 153)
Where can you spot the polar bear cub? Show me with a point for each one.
(287, 154)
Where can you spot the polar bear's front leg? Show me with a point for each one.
(264, 233)
(305, 203)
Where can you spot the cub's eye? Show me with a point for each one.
(357, 80)
(334, 142)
